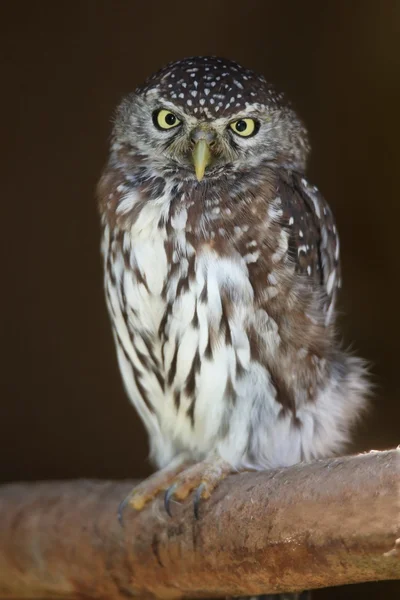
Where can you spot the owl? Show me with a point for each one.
(221, 266)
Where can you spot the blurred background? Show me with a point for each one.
(65, 65)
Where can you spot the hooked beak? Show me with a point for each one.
(201, 158)
(203, 139)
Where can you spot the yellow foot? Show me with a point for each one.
(146, 491)
(202, 477)
(178, 481)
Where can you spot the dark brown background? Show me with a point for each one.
(63, 411)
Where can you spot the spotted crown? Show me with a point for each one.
(212, 86)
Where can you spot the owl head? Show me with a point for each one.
(207, 117)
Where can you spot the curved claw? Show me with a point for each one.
(121, 509)
(167, 498)
(197, 499)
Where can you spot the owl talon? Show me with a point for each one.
(197, 499)
(178, 482)
(121, 508)
(148, 489)
(167, 498)
(201, 479)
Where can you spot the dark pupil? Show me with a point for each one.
(241, 126)
(170, 119)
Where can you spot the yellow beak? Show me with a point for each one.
(201, 158)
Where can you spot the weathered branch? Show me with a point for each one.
(322, 524)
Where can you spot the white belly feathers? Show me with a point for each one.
(180, 387)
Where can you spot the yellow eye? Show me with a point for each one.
(165, 119)
(244, 127)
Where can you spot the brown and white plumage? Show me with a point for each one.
(222, 291)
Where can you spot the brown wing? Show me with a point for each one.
(313, 239)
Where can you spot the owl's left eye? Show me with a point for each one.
(244, 127)
(165, 119)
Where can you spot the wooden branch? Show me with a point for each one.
(313, 525)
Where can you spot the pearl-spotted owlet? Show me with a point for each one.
(221, 274)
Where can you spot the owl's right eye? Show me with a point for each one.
(165, 119)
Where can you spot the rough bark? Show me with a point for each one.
(313, 525)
